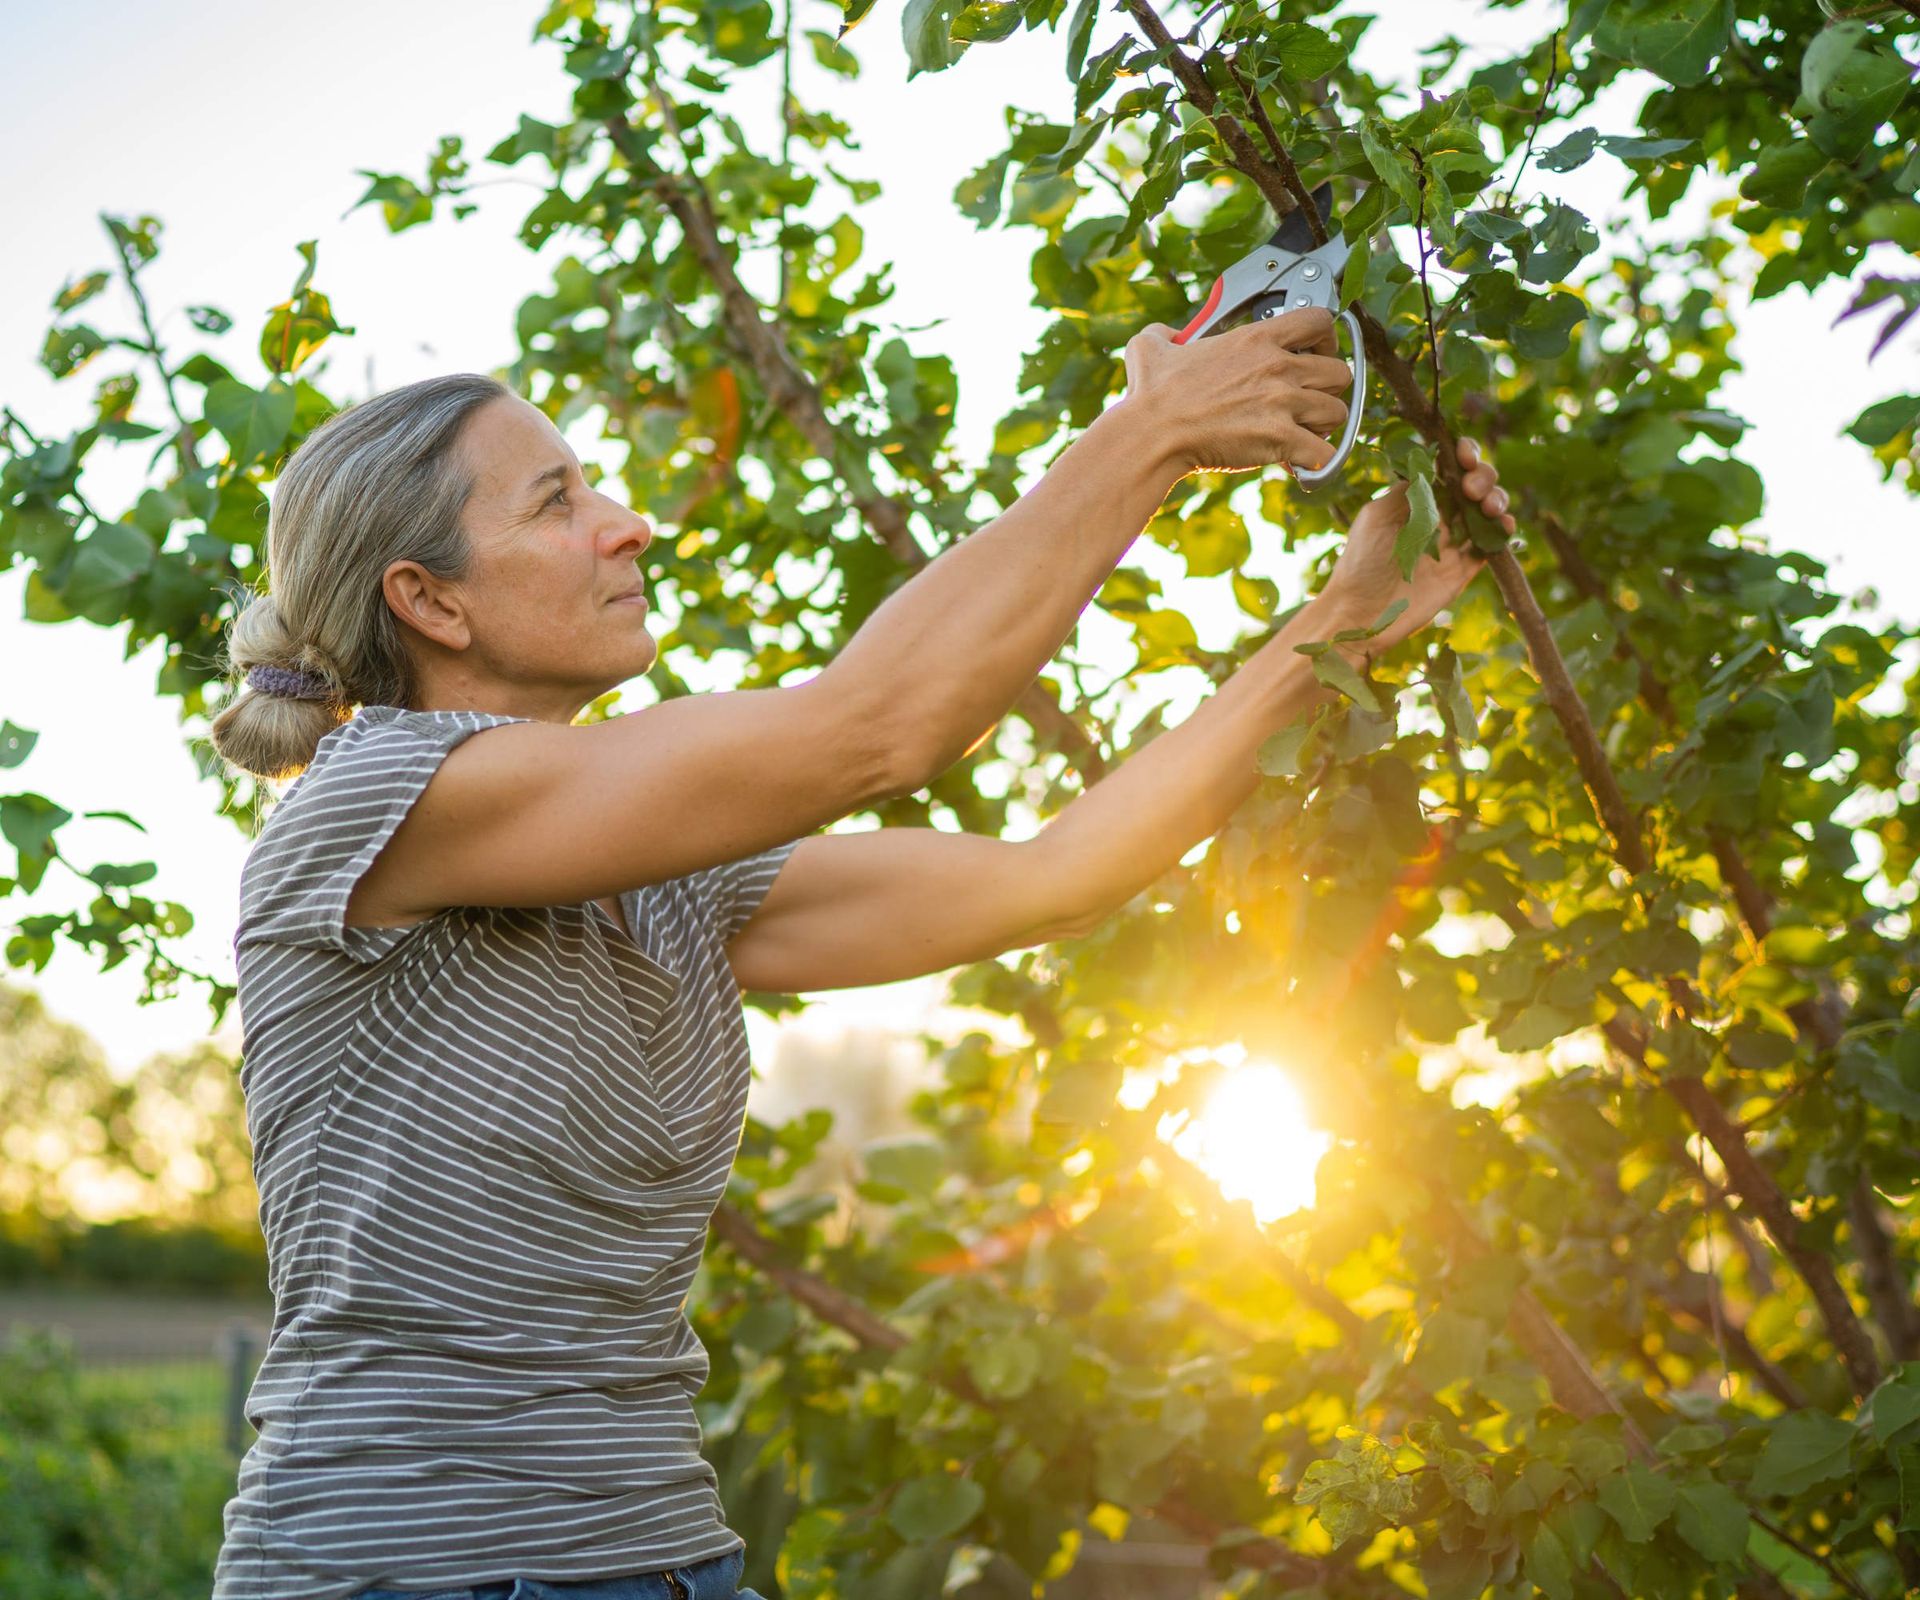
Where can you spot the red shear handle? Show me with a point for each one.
(1206, 311)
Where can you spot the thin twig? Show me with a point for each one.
(185, 439)
(1426, 289)
(1845, 1577)
(1539, 111)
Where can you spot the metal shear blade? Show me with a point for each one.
(1287, 273)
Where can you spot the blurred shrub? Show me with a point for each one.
(99, 1499)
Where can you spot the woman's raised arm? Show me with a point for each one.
(540, 814)
(950, 650)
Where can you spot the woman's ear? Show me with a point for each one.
(432, 607)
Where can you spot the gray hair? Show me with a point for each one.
(374, 484)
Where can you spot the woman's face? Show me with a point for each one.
(550, 613)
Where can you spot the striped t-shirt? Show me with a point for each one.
(487, 1146)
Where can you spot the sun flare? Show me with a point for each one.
(1254, 1140)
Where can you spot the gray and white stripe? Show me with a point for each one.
(487, 1146)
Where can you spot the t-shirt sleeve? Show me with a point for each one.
(733, 890)
(325, 832)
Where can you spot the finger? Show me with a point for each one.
(1506, 524)
(1303, 449)
(1319, 372)
(1478, 481)
(1469, 452)
(1309, 328)
(1495, 504)
(1324, 413)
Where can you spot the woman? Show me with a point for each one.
(494, 1060)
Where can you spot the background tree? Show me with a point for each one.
(1648, 1325)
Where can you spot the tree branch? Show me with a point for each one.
(1596, 772)
(1279, 181)
(1824, 1018)
(735, 1229)
(1755, 1185)
(761, 345)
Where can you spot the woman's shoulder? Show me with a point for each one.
(325, 830)
(379, 750)
(376, 733)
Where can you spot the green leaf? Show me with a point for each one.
(1678, 40)
(1536, 1027)
(935, 1507)
(1003, 1368)
(1419, 533)
(1780, 176)
(851, 11)
(1896, 1403)
(1550, 1564)
(78, 291)
(1305, 51)
(1447, 684)
(906, 1165)
(1079, 36)
(1573, 151)
(1627, 147)
(985, 21)
(1885, 420)
(1545, 328)
(29, 821)
(1855, 83)
(1452, 1346)
(112, 877)
(1639, 1500)
(16, 744)
(1805, 1448)
(1279, 756)
(1690, 1438)
(104, 564)
(1712, 1518)
(1333, 669)
(254, 421)
(1080, 1093)
(923, 29)
(1393, 168)
(978, 194)
(68, 349)
(1555, 245)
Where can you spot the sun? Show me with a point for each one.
(1254, 1140)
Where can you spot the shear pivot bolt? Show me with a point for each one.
(1271, 265)
(1311, 270)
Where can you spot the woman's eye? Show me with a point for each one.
(556, 495)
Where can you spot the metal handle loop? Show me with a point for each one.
(1312, 478)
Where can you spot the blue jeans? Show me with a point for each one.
(717, 1578)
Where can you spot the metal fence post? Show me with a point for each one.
(240, 1362)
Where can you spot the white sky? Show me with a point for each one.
(240, 126)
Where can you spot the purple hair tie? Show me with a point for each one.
(290, 683)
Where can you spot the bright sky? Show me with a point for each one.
(241, 127)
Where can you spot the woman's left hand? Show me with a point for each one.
(1366, 578)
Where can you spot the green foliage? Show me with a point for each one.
(1526, 1346)
(97, 1500)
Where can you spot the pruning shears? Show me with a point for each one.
(1287, 272)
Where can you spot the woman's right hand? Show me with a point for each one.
(1263, 393)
